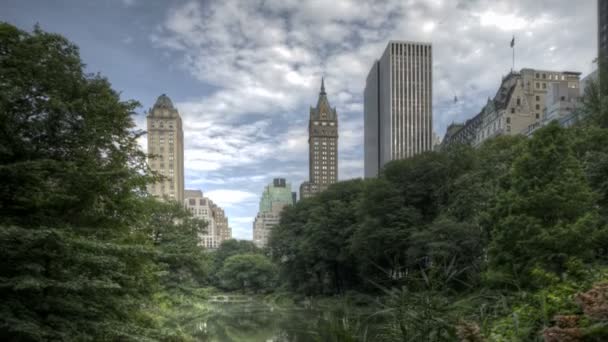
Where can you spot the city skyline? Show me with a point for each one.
(237, 110)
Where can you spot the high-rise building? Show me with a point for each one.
(223, 230)
(276, 196)
(602, 27)
(398, 113)
(322, 146)
(166, 149)
(217, 222)
(525, 101)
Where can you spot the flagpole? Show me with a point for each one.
(513, 47)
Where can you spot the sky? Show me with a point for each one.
(243, 74)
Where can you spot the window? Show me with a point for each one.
(508, 120)
(544, 76)
(563, 98)
(537, 75)
(518, 101)
(191, 201)
(537, 106)
(537, 98)
(512, 110)
(537, 85)
(537, 116)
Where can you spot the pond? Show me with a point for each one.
(254, 320)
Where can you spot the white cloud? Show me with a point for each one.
(228, 197)
(512, 22)
(246, 219)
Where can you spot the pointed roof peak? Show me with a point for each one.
(322, 86)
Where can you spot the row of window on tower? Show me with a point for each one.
(162, 124)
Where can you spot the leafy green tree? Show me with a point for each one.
(546, 214)
(253, 272)
(71, 174)
(176, 239)
(285, 243)
(311, 243)
(227, 249)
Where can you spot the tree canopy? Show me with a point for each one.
(84, 252)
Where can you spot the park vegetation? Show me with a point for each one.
(85, 253)
(505, 242)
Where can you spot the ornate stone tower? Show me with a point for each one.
(166, 149)
(322, 146)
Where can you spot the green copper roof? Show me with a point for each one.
(277, 192)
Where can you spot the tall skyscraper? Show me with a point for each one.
(166, 149)
(276, 196)
(217, 222)
(322, 146)
(398, 112)
(602, 27)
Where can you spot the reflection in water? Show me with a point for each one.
(257, 321)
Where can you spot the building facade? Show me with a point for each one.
(524, 101)
(166, 149)
(322, 146)
(276, 196)
(224, 232)
(398, 113)
(602, 27)
(217, 222)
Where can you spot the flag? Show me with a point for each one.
(513, 42)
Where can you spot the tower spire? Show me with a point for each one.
(323, 86)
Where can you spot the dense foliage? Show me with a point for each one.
(473, 243)
(239, 265)
(84, 253)
(248, 272)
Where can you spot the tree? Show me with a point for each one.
(71, 175)
(176, 240)
(545, 216)
(312, 241)
(253, 272)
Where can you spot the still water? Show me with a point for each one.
(255, 320)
